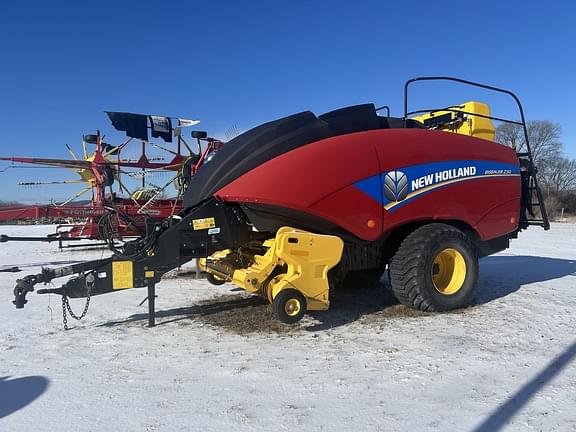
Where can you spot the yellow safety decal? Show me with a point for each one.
(122, 274)
(205, 223)
(149, 274)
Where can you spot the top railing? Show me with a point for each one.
(450, 109)
(531, 169)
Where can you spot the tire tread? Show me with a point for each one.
(406, 266)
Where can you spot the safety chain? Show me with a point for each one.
(66, 306)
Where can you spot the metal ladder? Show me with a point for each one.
(531, 194)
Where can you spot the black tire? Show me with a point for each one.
(282, 306)
(214, 280)
(415, 275)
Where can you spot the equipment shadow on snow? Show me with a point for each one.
(242, 314)
(236, 312)
(500, 276)
(245, 315)
(16, 393)
(498, 419)
(505, 274)
(365, 303)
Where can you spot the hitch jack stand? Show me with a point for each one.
(151, 299)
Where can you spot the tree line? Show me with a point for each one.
(556, 172)
(8, 203)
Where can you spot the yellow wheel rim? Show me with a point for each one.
(292, 307)
(449, 271)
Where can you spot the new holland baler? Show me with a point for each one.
(289, 209)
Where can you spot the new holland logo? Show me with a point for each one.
(395, 186)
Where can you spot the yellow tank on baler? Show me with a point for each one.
(457, 120)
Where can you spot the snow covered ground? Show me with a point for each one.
(218, 361)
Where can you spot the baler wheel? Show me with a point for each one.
(435, 269)
(289, 306)
(214, 280)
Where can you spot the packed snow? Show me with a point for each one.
(217, 360)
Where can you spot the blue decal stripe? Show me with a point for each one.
(425, 178)
(371, 186)
(395, 204)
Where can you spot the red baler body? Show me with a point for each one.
(338, 179)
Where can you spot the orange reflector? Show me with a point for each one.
(371, 223)
(513, 220)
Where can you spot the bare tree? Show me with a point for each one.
(556, 173)
(559, 175)
(544, 139)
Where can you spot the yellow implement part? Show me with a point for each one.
(214, 257)
(478, 127)
(254, 277)
(202, 264)
(294, 259)
(308, 257)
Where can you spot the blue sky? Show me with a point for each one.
(242, 63)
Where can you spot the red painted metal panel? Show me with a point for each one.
(302, 177)
(318, 178)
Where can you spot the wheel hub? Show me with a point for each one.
(292, 307)
(449, 271)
